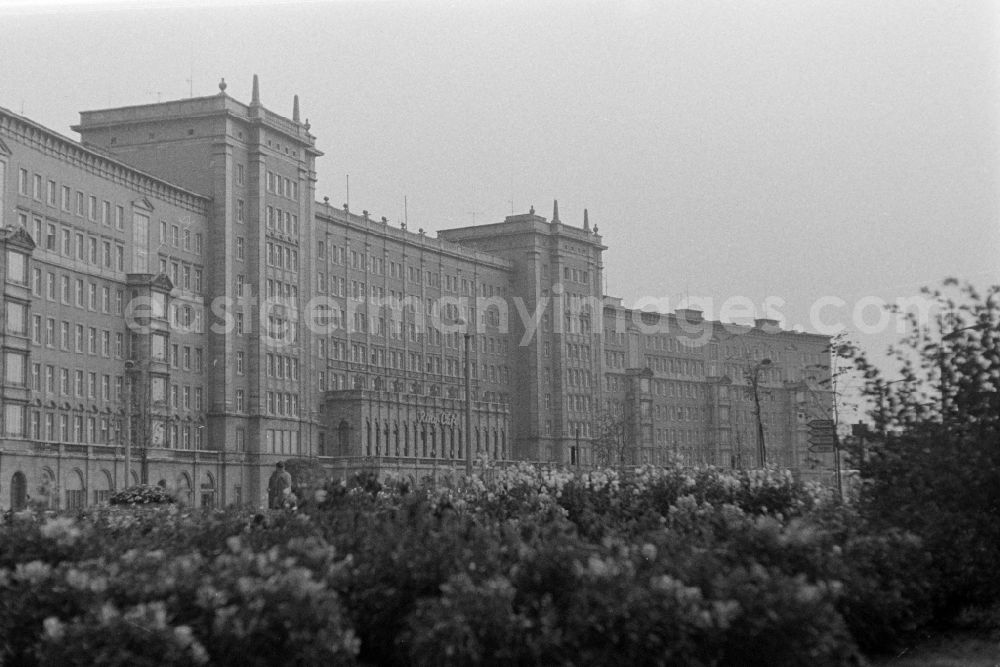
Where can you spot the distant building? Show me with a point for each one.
(171, 281)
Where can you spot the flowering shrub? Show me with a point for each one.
(143, 494)
(521, 566)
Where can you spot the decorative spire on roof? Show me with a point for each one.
(555, 210)
(255, 95)
(295, 108)
(586, 221)
(222, 86)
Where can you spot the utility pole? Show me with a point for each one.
(129, 379)
(754, 377)
(468, 405)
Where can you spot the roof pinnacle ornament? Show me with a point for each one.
(586, 221)
(255, 95)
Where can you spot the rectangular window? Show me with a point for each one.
(140, 244)
(92, 208)
(17, 267)
(13, 420)
(16, 318)
(15, 366)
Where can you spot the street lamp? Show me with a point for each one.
(753, 375)
(129, 379)
(468, 398)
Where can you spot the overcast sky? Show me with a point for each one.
(796, 149)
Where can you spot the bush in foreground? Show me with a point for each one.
(696, 567)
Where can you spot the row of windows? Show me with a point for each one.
(282, 222)
(282, 404)
(576, 377)
(684, 413)
(417, 362)
(740, 373)
(399, 271)
(38, 188)
(679, 389)
(282, 257)
(76, 337)
(427, 440)
(574, 402)
(277, 289)
(100, 252)
(675, 366)
(330, 381)
(82, 429)
(670, 344)
(278, 366)
(182, 238)
(74, 291)
(576, 275)
(280, 185)
(279, 441)
(186, 397)
(182, 275)
(677, 437)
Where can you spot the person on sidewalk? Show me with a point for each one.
(279, 486)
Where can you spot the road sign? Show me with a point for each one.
(820, 424)
(821, 449)
(822, 439)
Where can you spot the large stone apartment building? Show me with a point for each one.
(171, 281)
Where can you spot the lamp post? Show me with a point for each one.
(468, 406)
(754, 376)
(129, 380)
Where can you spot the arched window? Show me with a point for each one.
(76, 491)
(208, 490)
(344, 437)
(18, 491)
(368, 437)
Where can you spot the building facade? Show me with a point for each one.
(171, 282)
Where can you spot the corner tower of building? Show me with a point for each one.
(555, 318)
(259, 169)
